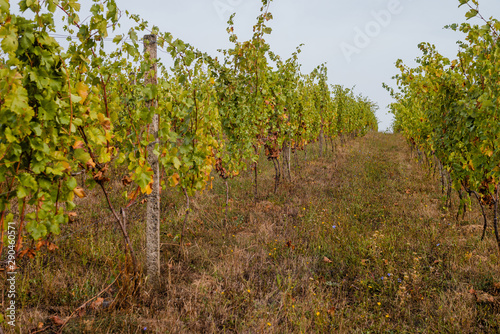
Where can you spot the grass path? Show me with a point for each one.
(358, 242)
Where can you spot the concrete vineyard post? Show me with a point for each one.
(153, 200)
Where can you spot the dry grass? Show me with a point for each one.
(360, 241)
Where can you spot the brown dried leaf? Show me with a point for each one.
(51, 247)
(126, 180)
(99, 176)
(56, 320)
(27, 252)
(81, 312)
(96, 303)
(72, 216)
(483, 297)
(133, 195)
(327, 260)
(40, 244)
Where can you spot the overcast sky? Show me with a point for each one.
(360, 40)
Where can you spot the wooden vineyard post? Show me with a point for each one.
(153, 199)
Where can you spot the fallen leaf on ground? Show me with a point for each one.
(56, 320)
(483, 297)
(96, 303)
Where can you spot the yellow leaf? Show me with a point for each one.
(174, 180)
(471, 166)
(66, 166)
(149, 188)
(105, 122)
(82, 91)
(79, 192)
(487, 151)
(91, 163)
(78, 144)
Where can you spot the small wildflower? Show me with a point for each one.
(389, 275)
(269, 324)
(317, 313)
(438, 244)
(387, 316)
(248, 291)
(379, 304)
(334, 226)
